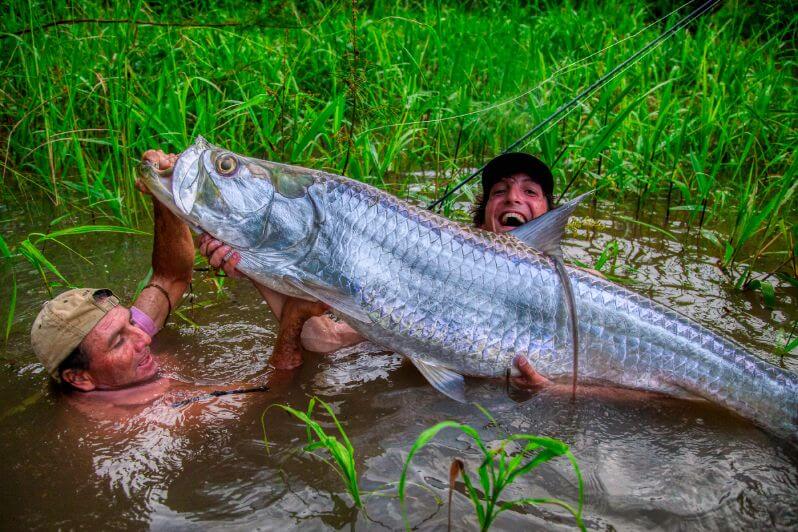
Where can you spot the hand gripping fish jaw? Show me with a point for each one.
(250, 204)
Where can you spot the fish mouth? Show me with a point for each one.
(157, 181)
(176, 187)
(512, 219)
(186, 175)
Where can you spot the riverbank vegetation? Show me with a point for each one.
(409, 96)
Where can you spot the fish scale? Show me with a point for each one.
(626, 339)
(457, 298)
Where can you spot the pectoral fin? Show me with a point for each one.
(544, 233)
(336, 299)
(443, 379)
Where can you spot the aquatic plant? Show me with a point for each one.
(340, 451)
(29, 249)
(515, 456)
(502, 464)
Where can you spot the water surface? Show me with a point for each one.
(649, 462)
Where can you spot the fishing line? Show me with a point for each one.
(555, 74)
(562, 111)
(219, 393)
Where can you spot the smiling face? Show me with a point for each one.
(119, 354)
(512, 202)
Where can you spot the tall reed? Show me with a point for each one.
(706, 123)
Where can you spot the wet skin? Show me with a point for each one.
(119, 355)
(516, 197)
(118, 351)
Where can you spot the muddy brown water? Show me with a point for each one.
(649, 462)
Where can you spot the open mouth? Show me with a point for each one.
(146, 360)
(512, 219)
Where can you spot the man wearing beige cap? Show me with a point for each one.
(87, 340)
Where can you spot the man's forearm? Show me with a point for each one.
(172, 263)
(172, 248)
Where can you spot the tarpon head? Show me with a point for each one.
(248, 203)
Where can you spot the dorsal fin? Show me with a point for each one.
(545, 232)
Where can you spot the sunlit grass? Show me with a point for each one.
(706, 124)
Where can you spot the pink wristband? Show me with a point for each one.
(143, 321)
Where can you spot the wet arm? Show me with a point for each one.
(301, 326)
(172, 262)
(319, 334)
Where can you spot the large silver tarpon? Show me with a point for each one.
(454, 299)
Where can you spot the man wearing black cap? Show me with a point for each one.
(516, 188)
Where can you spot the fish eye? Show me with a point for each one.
(226, 164)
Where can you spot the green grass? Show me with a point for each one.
(504, 463)
(705, 124)
(340, 451)
(30, 249)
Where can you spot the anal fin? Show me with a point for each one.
(444, 380)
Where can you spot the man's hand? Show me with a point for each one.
(219, 255)
(529, 377)
(172, 250)
(161, 161)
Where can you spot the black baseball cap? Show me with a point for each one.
(508, 164)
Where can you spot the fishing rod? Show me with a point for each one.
(603, 80)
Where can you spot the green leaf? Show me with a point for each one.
(85, 229)
(4, 251)
(343, 462)
(709, 235)
(787, 278)
(420, 442)
(12, 306)
(768, 293)
(647, 225)
(36, 258)
(727, 255)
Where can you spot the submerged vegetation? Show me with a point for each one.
(503, 463)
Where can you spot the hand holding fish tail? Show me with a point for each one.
(529, 377)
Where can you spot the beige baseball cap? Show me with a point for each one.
(64, 322)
